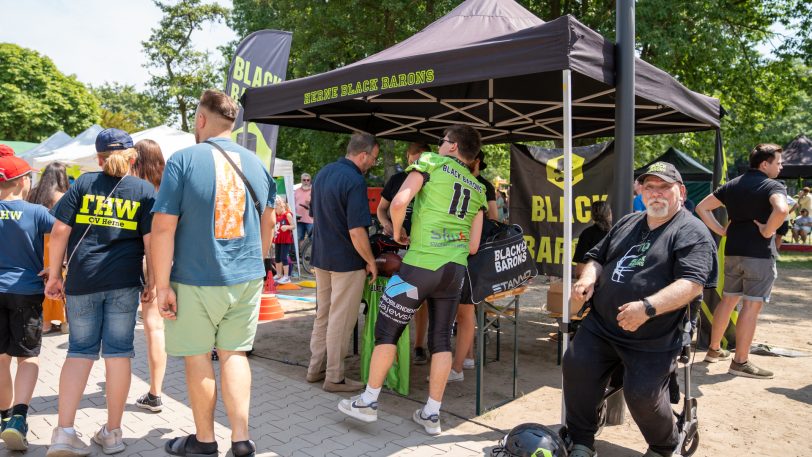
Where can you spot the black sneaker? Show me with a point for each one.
(153, 404)
(420, 356)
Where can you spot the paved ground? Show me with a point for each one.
(288, 417)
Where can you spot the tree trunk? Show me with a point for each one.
(388, 154)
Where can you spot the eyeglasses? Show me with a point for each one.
(444, 140)
(305, 180)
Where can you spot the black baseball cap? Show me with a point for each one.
(663, 170)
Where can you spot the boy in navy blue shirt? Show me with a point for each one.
(22, 228)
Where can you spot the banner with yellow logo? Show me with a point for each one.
(537, 196)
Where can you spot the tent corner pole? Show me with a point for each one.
(566, 269)
(624, 109)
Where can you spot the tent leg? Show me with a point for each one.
(566, 97)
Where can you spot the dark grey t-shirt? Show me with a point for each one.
(747, 198)
(638, 262)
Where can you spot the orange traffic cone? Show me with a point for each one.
(269, 307)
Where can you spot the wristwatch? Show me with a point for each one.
(651, 311)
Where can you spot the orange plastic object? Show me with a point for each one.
(270, 309)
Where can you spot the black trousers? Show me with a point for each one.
(588, 366)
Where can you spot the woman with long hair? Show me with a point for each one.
(149, 166)
(149, 163)
(53, 183)
(103, 223)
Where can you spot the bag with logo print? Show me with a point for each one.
(502, 262)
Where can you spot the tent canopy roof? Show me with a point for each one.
(797, 158)
(688, 168)
(490, 64)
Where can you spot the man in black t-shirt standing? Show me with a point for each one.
(640, 278)
(757, 206)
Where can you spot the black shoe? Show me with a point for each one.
(214, 355)
(420, 356)
(153, 404)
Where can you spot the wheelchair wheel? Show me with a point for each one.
(306, 252)
(691, 442)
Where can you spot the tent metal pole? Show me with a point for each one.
(566, 97)
(624, 109)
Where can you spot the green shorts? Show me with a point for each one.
(224, 317)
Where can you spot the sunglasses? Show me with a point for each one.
(444, 140)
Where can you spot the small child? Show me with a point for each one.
(283, 240)
(22, 229)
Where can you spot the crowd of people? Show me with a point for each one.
(186, 240)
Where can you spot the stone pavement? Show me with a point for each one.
(289, 417)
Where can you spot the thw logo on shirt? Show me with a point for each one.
(10, 215)
(108, 212)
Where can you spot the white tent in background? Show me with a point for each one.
(57, 140)
(83, 141)
(83, 153)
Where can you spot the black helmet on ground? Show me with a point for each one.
(531, 440)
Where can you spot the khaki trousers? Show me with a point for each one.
(338, 295)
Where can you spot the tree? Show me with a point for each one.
(36, 99)
(126, 108)
(182, 73)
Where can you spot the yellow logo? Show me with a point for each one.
(555, 170)
(658, 167)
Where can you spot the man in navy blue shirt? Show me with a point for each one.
(342, 257)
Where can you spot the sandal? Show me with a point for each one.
(177, 446)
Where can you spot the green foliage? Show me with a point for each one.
(710, 46)
(182, 73)
(36, 99)
(126, 108)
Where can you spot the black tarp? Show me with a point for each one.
(491, 64)
(797, 158)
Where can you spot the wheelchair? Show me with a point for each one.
(612, 408)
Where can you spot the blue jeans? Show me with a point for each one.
(102, 321)
(303, 229)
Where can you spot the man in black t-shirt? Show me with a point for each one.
(756, 206)
(640, 279)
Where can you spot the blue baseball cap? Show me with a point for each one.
(113, 140)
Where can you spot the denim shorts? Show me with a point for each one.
(102, 321)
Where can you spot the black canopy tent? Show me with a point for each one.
(495, 66)
(697, 177)
(797, 158)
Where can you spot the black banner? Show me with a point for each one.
(537, 196)
(260, 60)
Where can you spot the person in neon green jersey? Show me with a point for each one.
(446, 229)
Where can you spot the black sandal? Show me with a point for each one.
(177, 446)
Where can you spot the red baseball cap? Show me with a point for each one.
(12, 167)
(5, 150)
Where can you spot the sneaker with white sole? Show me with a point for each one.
(110, 441)
(454, 376)
(579, 450)
(716, 355)
(355, 407)
(468, 364)
(748, 370)
(153, 404)
(14, 433)
(284, 280)
(64, 444)
(431, 424)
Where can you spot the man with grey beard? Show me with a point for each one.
(640, 279)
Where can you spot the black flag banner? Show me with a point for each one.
(537, 196)
(260, 60)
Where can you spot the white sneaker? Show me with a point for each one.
(468, 364)
(356, 408)
(64, 444)
(276, 277)
(431, 424)
(110, 441)
(284, 280)
(455, 377)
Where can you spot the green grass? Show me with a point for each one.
(795, 260)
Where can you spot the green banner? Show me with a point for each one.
(398, 377)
